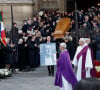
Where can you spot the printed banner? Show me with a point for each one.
(48, 54)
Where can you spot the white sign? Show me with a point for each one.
(48, 54)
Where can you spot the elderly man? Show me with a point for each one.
(83, 60)
(65, 77)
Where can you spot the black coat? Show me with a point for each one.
(1, 56)
(14, 35)
(36, 56)
(88, 84)
(43, 33)
(35, 23)
(31, 52)
(71, 49)
(25, 28)
(97, 43)
(21, 56)
(9, 58)
(93, 48)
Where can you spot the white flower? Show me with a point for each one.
(97, 68)
(6, 73)
(2, 72)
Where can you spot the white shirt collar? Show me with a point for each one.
(64, 50)
(84, 45)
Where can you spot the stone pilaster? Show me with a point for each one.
(61, 4)
(22, 9)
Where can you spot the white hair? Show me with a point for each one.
(20, 31)
(70, 38)
(87, 39)
(83, 40)
(63, 45)
(20, 41)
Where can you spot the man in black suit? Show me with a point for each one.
(50, 68)
(25, 28)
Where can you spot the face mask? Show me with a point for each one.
(25, 23)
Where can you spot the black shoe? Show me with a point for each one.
(32, 69)
(53, 74)
(13, 71)
(49, 74)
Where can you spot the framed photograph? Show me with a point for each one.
(48, 54)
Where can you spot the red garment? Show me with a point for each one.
(97, 63)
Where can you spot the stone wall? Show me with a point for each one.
(51, 4)
(21, 11)
(6, 16)
(16, 1)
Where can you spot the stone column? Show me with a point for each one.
(6, 9)
(62, 5)
(65, 5)
(21, 11)
(36, 5)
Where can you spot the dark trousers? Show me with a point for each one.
(51, 70)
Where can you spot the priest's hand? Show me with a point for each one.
(86, 69)
(75, 67)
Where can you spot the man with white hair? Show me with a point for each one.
(20, 41)
(83, 60)
(65, 76)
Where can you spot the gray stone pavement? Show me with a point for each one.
(33, 80)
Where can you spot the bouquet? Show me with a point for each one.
(5, 73)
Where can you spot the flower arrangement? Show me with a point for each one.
(5, 73)
(97, 68)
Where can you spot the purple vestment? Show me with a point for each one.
(64, 68)
(83, 54)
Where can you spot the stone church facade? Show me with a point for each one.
(22, 9)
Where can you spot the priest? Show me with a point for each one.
(83, 60)
(65, 76)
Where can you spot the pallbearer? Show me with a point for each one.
(65, 77)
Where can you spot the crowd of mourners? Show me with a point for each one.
(23, 46)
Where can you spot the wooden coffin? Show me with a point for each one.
(62, 27)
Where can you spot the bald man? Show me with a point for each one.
(83, 60)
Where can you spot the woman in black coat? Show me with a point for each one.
(9, 58)
(21, 55)
(37, 55)
(31, 55)
(1, 56)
